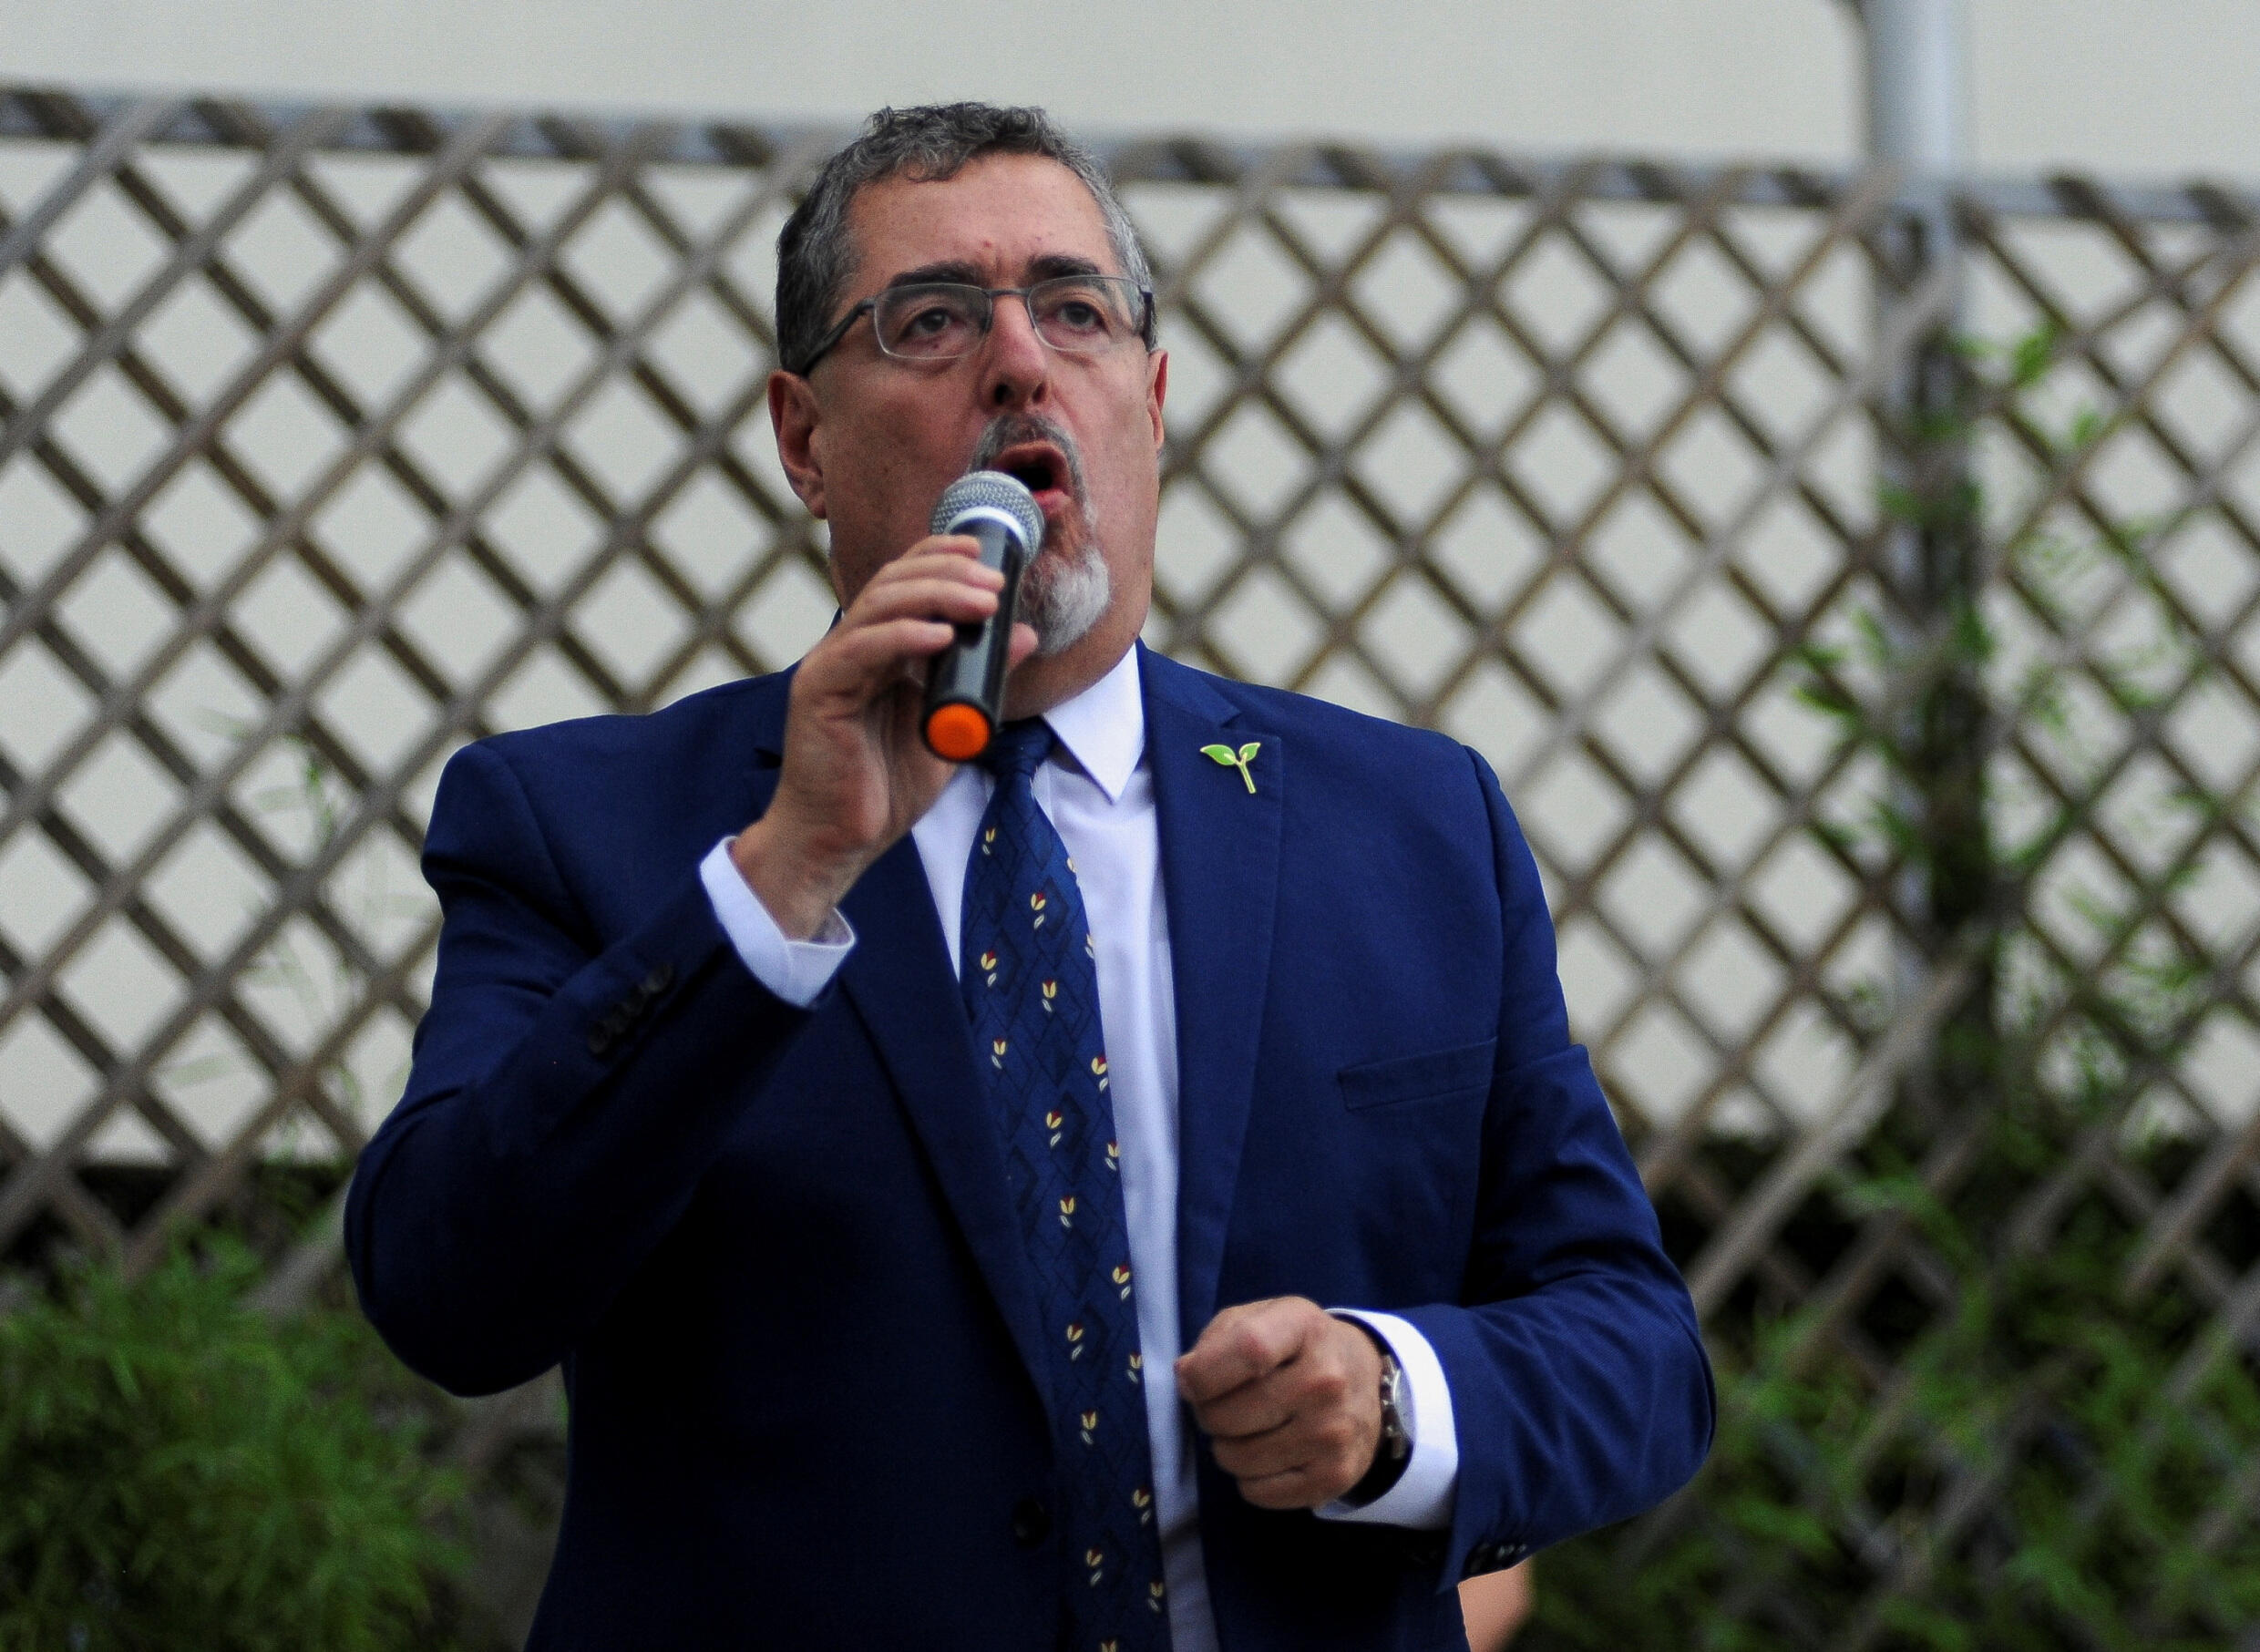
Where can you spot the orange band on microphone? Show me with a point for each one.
(958, 732)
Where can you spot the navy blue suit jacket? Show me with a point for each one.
(772, 1247)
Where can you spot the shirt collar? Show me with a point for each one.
(1104, 727)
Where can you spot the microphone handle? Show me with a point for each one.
(970, 673)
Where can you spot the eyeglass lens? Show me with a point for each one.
(1081, 314)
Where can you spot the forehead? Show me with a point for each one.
(999, 214)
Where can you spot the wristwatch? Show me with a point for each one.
(1395, 1449)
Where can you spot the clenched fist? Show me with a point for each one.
(1290, 1399)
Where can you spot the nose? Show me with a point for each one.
(1016, 367)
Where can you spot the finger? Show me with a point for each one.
(1241, 1345)
(1296, 1489)
(1330, 1452)
(1311, 1406)
(955, 571)
(856, 665)
(949, 552)
(1253, 1408)
(947, 544)
(1024, 642)
(1278, 1451)
(956, 586)
(1318, 1381)
(938, 587)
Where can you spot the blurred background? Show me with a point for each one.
(2151, 90)
(1809, 449)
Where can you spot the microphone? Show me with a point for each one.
(965, 684)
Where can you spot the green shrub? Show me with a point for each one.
(2053, 1466)
(177, 1471)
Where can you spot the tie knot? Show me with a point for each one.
(1017, 748)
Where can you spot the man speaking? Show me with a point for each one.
(1134, 1190)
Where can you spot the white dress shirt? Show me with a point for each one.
(1098, 790)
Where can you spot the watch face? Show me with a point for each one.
(1394, 1433)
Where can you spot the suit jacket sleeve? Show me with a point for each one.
(568, 1092)
(1579, 1385)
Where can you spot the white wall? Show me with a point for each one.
(2130, 86)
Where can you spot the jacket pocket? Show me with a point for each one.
(1419, 1078)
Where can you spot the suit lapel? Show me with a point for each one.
(898, 983)
(898, 979)
(1220, 869)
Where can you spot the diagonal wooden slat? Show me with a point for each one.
(127, 128)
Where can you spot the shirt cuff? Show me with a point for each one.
(1421, 1498)
(796, 970)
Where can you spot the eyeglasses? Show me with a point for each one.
(939, 321)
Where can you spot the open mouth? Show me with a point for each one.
(1038, 467)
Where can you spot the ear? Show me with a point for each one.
(794, 416)
(1156, 390)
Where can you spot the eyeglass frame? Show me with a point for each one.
(870, 306)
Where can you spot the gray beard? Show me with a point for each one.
(1063, 600)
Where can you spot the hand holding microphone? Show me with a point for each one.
(859, 764)
(965, 687)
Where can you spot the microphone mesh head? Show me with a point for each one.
(992, 490)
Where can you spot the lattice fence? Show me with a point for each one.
(334, 438)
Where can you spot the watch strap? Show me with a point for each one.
(1393, 1451)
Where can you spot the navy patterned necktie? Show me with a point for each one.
(1026, 965)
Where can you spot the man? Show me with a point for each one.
(1238, 1263)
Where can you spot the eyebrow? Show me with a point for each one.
(1040, 268)
(1062, 263)
(948, 269)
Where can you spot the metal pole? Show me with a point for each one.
(1932, 551)
(1917, 82)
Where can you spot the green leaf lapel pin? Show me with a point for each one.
(1229, 758)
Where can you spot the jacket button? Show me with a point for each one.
(657, 981)
(1032, 1523)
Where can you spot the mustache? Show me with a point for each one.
(1010, 429)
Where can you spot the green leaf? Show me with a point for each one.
(1250, 750)
(1222, 754)
(2032, 357)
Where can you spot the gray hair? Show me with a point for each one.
(815, 255)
